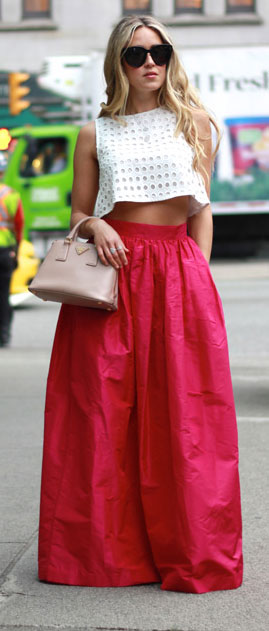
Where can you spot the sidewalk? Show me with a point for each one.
(234, 270)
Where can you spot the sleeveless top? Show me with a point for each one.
(144, 162)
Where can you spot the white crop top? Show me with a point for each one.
(144, 162)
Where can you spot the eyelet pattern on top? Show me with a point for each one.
(144, 162)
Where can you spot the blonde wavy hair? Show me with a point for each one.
(176, 94)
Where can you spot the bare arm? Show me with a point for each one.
(200, 225)
(84, 193)
(86, 176)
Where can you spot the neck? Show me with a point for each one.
(141, 103)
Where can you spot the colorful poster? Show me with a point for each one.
(234, 85)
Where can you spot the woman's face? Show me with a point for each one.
(149, 77)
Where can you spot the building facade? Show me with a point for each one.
(30, 30)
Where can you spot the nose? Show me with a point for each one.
(149, 60)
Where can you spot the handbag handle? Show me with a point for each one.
(72, 236)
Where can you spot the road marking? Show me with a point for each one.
(253, 419)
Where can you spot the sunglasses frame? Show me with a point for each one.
(168, 47)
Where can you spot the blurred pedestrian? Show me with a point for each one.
(11, 226)
(140, 470)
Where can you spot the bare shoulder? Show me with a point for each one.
(86, 142)
(202, 121)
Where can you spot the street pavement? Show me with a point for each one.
(27, 604)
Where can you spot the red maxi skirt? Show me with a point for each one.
(140, 469)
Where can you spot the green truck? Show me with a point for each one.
(40, 168)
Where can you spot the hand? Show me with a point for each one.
(110, 248)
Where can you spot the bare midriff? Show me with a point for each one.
(170, 212)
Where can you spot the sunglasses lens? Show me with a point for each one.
(161, 54)
(135, 56)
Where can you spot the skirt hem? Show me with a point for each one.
(127, 579)
(122, 579)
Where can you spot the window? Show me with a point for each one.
(240, 6)
(44, 156)
(136, 6)
(36, 8)
(188, 6)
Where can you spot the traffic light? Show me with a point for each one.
(16, 92)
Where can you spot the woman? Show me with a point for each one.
(140, 470)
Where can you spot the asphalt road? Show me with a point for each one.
(29, 605)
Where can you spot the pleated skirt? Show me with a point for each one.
(140, 476)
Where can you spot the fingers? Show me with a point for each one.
(110, 248)
(113, 254)
(101, 255)
(120, 250)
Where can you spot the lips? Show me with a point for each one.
(150, 74)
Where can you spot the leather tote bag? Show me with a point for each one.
(73, 274)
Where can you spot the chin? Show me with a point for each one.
(153, 84)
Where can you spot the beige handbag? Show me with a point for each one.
(73, 274)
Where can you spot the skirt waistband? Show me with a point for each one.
(148, 231)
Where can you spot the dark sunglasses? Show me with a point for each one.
(135, 56)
